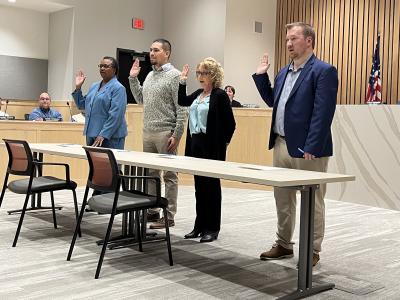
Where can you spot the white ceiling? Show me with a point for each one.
(46, 6)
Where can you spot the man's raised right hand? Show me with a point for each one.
(134, 72)
(264, 65)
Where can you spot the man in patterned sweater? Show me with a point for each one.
(163, 119)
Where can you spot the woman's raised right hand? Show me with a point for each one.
(184, 73)
(79, 79)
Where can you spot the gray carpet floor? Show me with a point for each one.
(361, 254)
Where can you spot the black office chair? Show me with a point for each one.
(104, 176)
(21, 163)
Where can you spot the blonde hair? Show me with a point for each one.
(216, 71)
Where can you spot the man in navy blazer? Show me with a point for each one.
(303, 100)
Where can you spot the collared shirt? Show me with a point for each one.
(198, 113)
(45, 114)
(164, 67)
(279, 126)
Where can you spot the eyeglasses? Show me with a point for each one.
(202, 73)
(104, 66)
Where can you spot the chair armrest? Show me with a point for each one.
(157, 179)
(67, 174)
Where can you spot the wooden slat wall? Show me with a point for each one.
(346, 34)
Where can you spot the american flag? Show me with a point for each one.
(374, 84)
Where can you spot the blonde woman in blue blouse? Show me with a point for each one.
(210, 129)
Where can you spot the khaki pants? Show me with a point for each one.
(156, 142)
(286, 198)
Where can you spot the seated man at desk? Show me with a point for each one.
(44, 112)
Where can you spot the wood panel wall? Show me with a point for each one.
(346, 35)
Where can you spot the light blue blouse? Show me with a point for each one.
(198, 113)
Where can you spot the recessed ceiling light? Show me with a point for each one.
(12, 1)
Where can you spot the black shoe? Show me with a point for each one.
(153, 217)
(209, 237)
(194, 234)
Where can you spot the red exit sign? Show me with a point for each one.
(137, 23)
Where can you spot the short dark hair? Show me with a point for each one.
(231, 87)
(114, 63)
(165, 44)
(308, 31)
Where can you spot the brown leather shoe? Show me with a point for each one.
(160, 224)
(315, 260)
(276, 252)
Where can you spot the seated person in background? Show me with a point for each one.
(44, 112)
(230, 90)
(2, 113)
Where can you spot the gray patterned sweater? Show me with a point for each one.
(159, 96)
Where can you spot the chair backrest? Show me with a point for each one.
(20, 159)
(103, 173)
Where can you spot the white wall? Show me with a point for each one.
(61, 41)
(23, 33)
(366, 140)
(196, 30)
(100, 27)
(79, 37)
(244, 47)
(93, 29)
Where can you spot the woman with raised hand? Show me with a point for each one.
(210, 129)
(105, 106)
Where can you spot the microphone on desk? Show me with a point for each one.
(5, 111)
(3, 115)
(70, 112)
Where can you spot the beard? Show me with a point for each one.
(293, 55)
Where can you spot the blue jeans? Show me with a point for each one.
(115, 143)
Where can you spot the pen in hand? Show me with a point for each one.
(307, 156)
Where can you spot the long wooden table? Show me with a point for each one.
(247, 145)
(304, 181)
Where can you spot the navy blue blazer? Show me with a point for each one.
(309, 110)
